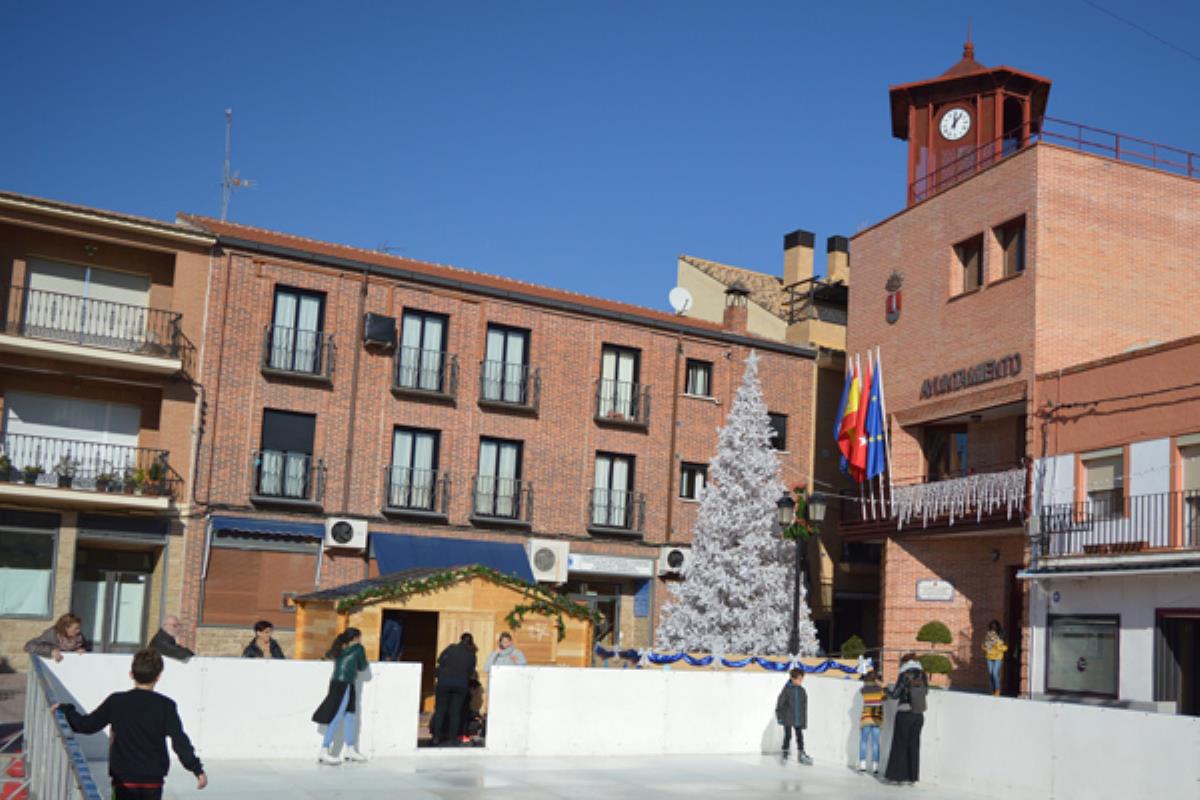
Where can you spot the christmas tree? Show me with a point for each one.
(736, 595)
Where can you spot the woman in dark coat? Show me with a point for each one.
(339, 707)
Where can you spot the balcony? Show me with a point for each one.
(509, 387)
(280, 478)
(622, 403)
(984, 501)
(425, 374)
(416, 493)
(506, 502)
(74, 328)
(1110, 524)
(616, 513)
(41, 470)
(296, 353)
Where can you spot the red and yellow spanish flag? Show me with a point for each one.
(847, 435)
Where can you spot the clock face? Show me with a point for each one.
(955, 124)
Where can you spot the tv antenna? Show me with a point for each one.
(230, 182)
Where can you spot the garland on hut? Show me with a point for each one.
(540, 601)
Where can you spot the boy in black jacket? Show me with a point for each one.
(141, 719)
(791, 711)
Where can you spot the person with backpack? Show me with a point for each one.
(911, 689)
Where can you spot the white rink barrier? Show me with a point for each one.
(994, 746)
(235, 708)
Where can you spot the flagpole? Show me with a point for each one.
(858, 365)
(887, 438)
(866, 425)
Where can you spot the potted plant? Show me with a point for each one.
(135, 480)
(31, 473)
(934, 663)
(65, 469)
(5, 467)
(155, 476)
(104, 481)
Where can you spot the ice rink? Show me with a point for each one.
(471, 774)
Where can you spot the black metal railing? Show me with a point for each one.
(420, 490)
(510, 384)
(616, 510)
(430, 371)
(285, 476)
(298, 351)
(75, 319)
(498, 497)
(622, 402)
(87, 466)
(1110, 523)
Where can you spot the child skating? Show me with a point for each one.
(791, 711)
(870, 722)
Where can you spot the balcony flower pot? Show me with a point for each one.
(155, 479)
(31, 474)
(135, 482)
(65, 469)
(103, 482)
(65, 481)
(5, 469)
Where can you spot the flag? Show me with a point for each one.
(858, 452)
(847, 417)
(876, 446)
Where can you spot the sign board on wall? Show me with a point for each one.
(935, 591)
(610, 565)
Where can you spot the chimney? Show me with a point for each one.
(737, 309)
(797, 257)
(837, 259)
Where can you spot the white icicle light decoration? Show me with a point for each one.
(957, 497)
(736, 596)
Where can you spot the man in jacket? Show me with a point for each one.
(263, 645)
(164, 641)
(455, 666)
(791, 711)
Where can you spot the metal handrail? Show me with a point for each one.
(409, 489)
(622, 401)
(39, 314)
(421, 370)
(614, 509)
(513, 384)
(299, 351)
(1109, 523)
(498, 497)
(287, 476)
(54, 762)
(87, 466)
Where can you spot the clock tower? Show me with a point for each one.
(966, 119)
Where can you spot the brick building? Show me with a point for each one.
(1114, 600)
(1012, 258)
(98, 399)
(447, 414)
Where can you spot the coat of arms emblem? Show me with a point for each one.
(894, 282)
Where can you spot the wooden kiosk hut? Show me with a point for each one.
(435, 606)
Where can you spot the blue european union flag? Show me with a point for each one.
(876, 446)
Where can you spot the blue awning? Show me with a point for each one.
(278, 527)
(396, 552)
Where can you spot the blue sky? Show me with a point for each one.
(578, 145)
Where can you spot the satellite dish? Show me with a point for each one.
(680, 299)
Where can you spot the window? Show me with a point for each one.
(946, 451)
(87, 305)
(285, 462)
(1083, 654)
(778, 431)
(99, 437)
(1189, 456)
(699, 378)
(611, 495)
(421, 358)
(506, 365)
(618, 382)
(26, 572)
(1104, 481)
(248, 577)
(1011, 238)
(692, 478)
(294, 339)
(498, 486)
(970, 260)
(412, 477)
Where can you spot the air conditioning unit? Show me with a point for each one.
(674, 560)
(379, 330)
(548, 560)
(347, 534)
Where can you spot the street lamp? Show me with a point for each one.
(795, 517)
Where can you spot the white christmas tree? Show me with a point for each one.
(736, 596)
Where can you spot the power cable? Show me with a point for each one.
(1139, 28)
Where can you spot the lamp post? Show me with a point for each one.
(796, 517)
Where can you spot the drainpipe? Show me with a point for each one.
(358, 332)
(674, 430)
